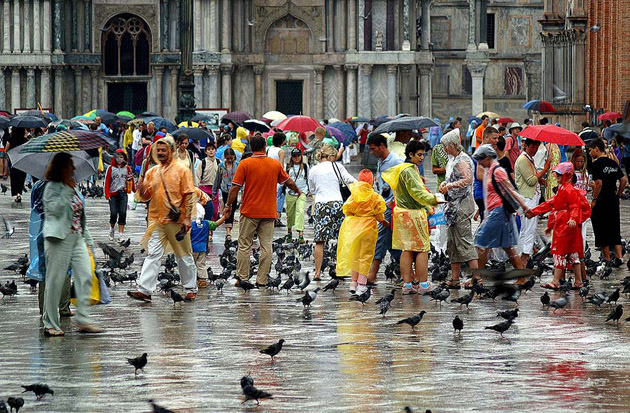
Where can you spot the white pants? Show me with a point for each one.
(441, 235)
(346, 156)
(151, 268)
(527, 237)
(584, 233)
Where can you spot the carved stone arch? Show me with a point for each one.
(126, 46)
(310, 16)
(289, 35)
(104, 13)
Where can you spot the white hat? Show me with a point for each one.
(515, 125)
(496, 127)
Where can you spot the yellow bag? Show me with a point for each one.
(95, 296)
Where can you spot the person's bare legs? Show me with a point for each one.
(319, 258)
(524, 260)
(422, 267)
(406, 260)
(376, 265)
(618, 252)
(606, 253)
(577, 273)
(483, 257)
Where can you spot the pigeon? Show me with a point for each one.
(274, 282)
(385, 305)
(40, 390)
(15, 403)
(245, 285)
(139, 362)
(219, 284)
(615, 314)
(125, 244)
(613, 297)
(584, 291)
(305, 282)
(501, 327)
(9, 229)
(9, 289)
(288, 284)
(273, 349)
(252, 393)
(332, 285)
(508, 314)
(309, 297)
(597, 299)
(528, 285)
(362, 298)
(458, 324)
(389, 297)
(560, 303)
(545, 299)
(3, 407)
(414, 320)
(176, 297)
(464, 300)
(4, 188)
(159, 409)
(442, 295)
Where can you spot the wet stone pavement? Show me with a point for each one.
(338, 356)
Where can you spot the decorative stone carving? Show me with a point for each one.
(289, 35)
(267, 15)
(379, 41)
(513, 81)
(148, 12)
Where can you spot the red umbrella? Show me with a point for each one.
(505, 120)
(553, 134)
(300, 124)
(611, 116)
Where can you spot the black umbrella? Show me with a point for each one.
(107, 117)
(4, 122)
(406, 123)
(147, 115)
(256, 125)
(376, 122)
(123, 119)
(28, 122)
(195, 134)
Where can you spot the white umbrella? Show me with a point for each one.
(274, 115)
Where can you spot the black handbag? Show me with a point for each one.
(174, 212)
(343, 188)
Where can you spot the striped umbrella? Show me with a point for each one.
(67, 140)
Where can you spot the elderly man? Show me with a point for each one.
(169, 187)
(259, 174)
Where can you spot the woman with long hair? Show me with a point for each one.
(118, 183)
(298, 171)
(223, 183)
(66, 242)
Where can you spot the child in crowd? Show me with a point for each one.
(199, 235)
(223, 183)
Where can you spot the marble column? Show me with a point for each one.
(214, 26)
(425, 21)
(17, 44)
(78, 90)
(341, 98)
(197, 29)
(6, 27)
(15, 88)
(205, 98)
(330, 23)
(226, 87)
(94, 101)
(58, 92)
(26, 27)
(343, 17)
(164, 16)
(319, 92)
(425, 89)
(174, 103)
(365, 104)
(45, 87)
(46, 26)
(58, 25)
(75, 26)
(198, 75)
(87, 26)
(405, 90)
(477, 70)
(472, 18)
(258, 90)
(361, 25)
(159, 83)
(226, 23)
(214, 86)
(351, 90)
(31, 96)
(578, 69)
(37, 32)
(3, 89)
(392, 91)
(406, 44)
(176, 19)
(352, 25)
(483, 25)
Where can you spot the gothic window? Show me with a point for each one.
(513, 85)
(126, 46)
(288, 35)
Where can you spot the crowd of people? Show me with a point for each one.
(489, 175)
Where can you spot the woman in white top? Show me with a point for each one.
(276, 152)
(323, 183)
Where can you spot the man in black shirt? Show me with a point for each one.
(605, 216)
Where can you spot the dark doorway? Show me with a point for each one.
(289, 96)
(127, 96)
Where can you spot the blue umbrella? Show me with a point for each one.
(621, 129)
(161, 123)
(476, 119)
(347, 130)
(539, 106)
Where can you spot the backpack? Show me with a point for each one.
(203, 165)
(507, 205)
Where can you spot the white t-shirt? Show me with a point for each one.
(323, 182)
(137, 137)
(274, 153)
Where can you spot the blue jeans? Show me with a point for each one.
(280, 199)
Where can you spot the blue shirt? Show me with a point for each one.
(221, 151)
(478, 185)
(199, 236)
(381, 166)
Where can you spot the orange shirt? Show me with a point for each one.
(260, 175)
(179, 183)
(479, 135)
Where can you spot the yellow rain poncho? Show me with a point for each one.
(238, 144)
(413, 201)
(358, 233)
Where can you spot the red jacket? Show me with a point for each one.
(569, 204)
(108, 179)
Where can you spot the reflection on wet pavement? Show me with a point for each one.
(338, 355)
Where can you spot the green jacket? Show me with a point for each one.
(525, 175)
(409, 189)
(58, 212)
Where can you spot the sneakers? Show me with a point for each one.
(421, 290)
(408, 291)
(301, 239)
(137, 295)
(361, 289)
(190, 297)
(279, 224)
(353, 287)
(202, 283)
(111, 234)
(288, 238)
(616, 262)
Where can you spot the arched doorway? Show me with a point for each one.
(126, 48)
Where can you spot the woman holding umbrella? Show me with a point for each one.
(17, 138)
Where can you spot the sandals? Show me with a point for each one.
(468, 285)
(551, 286)
(453, 285)
(577, 286)
(51, 332)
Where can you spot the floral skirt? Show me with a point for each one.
(411, 230)
(328, 218)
